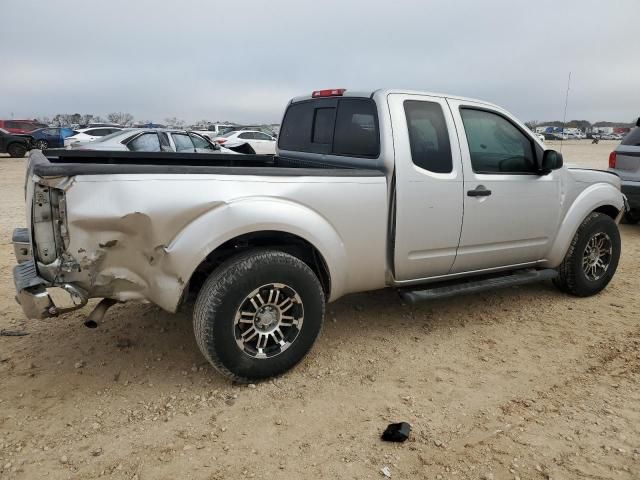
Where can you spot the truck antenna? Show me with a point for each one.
(564, 119)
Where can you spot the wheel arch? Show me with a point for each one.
(261, 222)
(275, 239)
(602, 198)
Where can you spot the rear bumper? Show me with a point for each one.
(632, 191)
(33, 291)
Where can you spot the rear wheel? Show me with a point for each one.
(258, 314)
(592, 258)
(42, 144)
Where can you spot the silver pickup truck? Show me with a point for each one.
(430, 194)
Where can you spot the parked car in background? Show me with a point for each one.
(153, 140)
(259, 142)
(20, 126)
(214, 130)
(50, 137)
(611, 136)
(96, 125)
(541, 137)
(86, 135)
(625, 162)
(15, 145)
(269, 131)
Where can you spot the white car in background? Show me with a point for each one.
(86, 135)
(154, 140)
(260, 142)
(540, 137)
(215, 130)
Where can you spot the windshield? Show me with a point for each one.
(228, 134)
(106, 138)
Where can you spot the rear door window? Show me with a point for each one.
(183, 142)
(261, 136)
(147, 142)
(333, 126)
(200, 142)
(99, 132)
(428, 136)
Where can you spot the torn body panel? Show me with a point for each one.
(141, 237)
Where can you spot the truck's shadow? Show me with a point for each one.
(142, 344)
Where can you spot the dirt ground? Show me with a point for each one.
(519, 383)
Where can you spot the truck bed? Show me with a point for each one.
(55, 163)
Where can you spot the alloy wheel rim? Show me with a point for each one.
(597, 256)
(268, 320)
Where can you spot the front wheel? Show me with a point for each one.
(42, 144)
(592, 258)
(258, 314)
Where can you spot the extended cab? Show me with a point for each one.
(433, 195)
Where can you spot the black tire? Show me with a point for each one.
(42, 144)
(226, 291)
(16, 150)
(631, 217)
(571, 277)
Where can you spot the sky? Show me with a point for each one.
(242, 61)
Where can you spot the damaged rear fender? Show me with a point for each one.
(212, 229)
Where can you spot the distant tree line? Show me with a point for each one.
(120, 118)
(68, 119)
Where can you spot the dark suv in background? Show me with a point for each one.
(14, 145)
(625, 162)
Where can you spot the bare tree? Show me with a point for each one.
(86, 119)
(62, 120)
(174, 122)
(121, 118)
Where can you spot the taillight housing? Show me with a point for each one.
(612, 160)
(220, 141)
(331, 92)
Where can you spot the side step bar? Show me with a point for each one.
(463, 287)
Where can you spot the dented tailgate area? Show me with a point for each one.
(140, 236)
(115, 251)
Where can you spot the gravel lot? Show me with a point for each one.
(520, 383)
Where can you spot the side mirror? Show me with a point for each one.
(551, 160)
(638, 122)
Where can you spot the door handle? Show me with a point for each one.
(479, 191)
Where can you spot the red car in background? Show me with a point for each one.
(21, 126)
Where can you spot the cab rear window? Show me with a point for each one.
(333, 126)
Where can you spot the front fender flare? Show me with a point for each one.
(590, 199)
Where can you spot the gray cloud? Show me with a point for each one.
(242, 61)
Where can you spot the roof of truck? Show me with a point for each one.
(387, 91)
